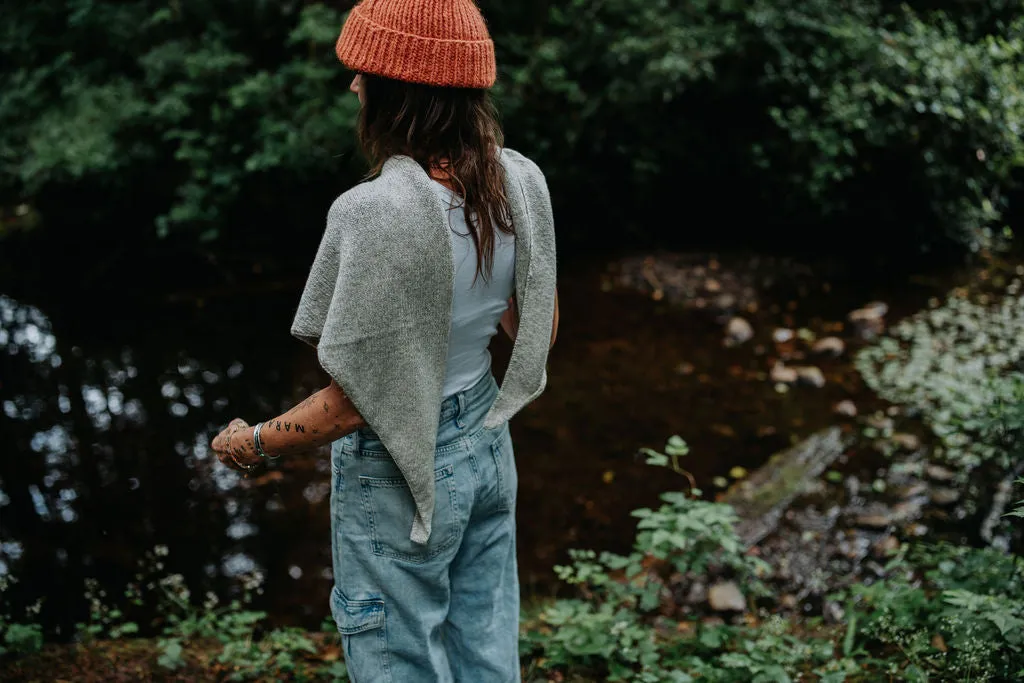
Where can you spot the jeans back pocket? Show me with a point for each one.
(389, 510)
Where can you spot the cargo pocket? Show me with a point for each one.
(363, 637)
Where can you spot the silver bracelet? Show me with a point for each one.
(259, 444)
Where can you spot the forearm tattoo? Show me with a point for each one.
(312, 422)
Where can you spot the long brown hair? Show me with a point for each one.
(454, 130)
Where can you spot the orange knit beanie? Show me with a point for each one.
(436, 42)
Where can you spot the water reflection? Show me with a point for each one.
(108, 454)
(107, 421)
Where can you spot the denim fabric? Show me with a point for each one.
(447, 610)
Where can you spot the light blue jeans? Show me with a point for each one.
(446, 611)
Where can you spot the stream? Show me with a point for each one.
(108, 407)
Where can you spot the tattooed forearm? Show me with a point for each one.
(320, 419)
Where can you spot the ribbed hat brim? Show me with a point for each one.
(370, 48)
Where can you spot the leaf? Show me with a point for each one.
(851, 633)
(657, 459)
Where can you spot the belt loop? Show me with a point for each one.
(355, 442)
(459, 422)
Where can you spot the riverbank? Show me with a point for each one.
(801, 560)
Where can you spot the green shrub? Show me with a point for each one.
(954, 365)
(21, 638)
(199, 116)
(854, 110)
(187, 106)
(953, 613)
(862, 90)
(17, 637)
(629, 623)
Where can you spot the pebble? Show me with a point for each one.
(869, 320)
(685, 368)
(738, 331)
(697, 594)
(833, 346)
(874, 521)
(881, 517)
(780, 374)
(847, 408)
(872, 311)
(725, 302)
(725, 596)
(781, 335)
(880, 422)
(913, 490)
(942, 495)
(908, 442)
(939, 473)
(885, 546)
(811, 375)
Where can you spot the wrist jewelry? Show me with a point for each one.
(259, 444)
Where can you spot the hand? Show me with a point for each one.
(235, 447)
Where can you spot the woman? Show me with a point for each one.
(452, 237)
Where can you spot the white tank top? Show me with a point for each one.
(477, 302)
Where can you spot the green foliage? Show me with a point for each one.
(950, 612)
(954, 366)
(826, 104)
(16, 637)
(1018, 510)
(209, 112)
(205, 100)
(105, 621)
(628, 626)
(21, 638)
(855, 83)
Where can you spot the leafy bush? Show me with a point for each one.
(190, 107)
(630, 622)
(863, 91)
(901, 119)
(954, 366)
(16, 637)
(203, 115)
(21, 638)
(241, 644)
(949, 612)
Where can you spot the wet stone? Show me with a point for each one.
(845, 408)
(781, 335)
(811, 376)
(872, 311)
(726, 597)
(908, 442)
(939, 473)
(880, 422)
(880, 516)
(780, 374)
(832, 346)
(945, 496)
(697, 594)
(868, 321)
(913, 490)
(738, 331)
(884, 546)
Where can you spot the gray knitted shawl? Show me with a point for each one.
(378, 301)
